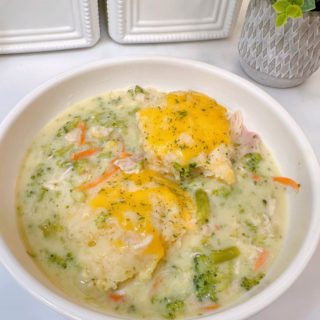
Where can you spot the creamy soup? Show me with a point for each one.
(151, 205)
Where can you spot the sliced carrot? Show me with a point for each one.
(123, 149)
(106, 175)
(113, 169)
(262, 258)
(85, 153)
(210, 307)
(82, 139)
(122, 155)
(156, 284)
(116, 297)
(287, 182)
(256, 178)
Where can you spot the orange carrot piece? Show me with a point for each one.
(263, 256)
(107, 174)
(116, 297)
(210, 307)
(256, 178)
(113, 169)
(122, 155)
(85, 153)
(82, 139)
(156, 284)
(287, 182)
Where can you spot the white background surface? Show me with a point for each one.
(19, 74)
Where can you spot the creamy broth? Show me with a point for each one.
(129, 224)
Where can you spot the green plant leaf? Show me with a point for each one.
(281, 19)
(294, 11)
(308, 5)
(281, 6)
(297, 2)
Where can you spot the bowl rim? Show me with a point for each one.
(238, 312)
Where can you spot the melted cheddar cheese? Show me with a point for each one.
(190, 127)
(147, 204)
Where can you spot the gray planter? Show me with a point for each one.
(279, 57)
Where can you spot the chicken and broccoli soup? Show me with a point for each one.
(151, 205)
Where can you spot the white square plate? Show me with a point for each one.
(142, 21)
(44, 25)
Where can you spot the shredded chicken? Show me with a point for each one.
(146, 241)
(54, 183)
(73, 135)
(130, 164)
(271, 208)
(99, 132)
(246, 140)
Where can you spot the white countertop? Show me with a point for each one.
(19, 74)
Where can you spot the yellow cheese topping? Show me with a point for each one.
(148, 196)
(190, 123)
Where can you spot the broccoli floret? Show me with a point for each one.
(184, 171)
(60, 261)
(50, 227)
(252, 161)
(205, 278)
(203, 263)
(101, 219)
(169, 307)
(61, 152)
(173, 307)
(137, 89)
(42, 192)
(108, 118)
(81, 165)
(253, 228)
(132, 308)
(105, 155)
(37, 175)
(68, 126)
(205, 286)
(213, 273)
(223, 192)
(249, 283)
(119, 123)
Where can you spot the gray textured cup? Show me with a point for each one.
(279, 57)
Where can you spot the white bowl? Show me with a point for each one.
(262, 114)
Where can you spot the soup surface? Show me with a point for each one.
(151, 204)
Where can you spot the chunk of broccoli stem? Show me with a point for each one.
(203, 206)
(227, 254)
